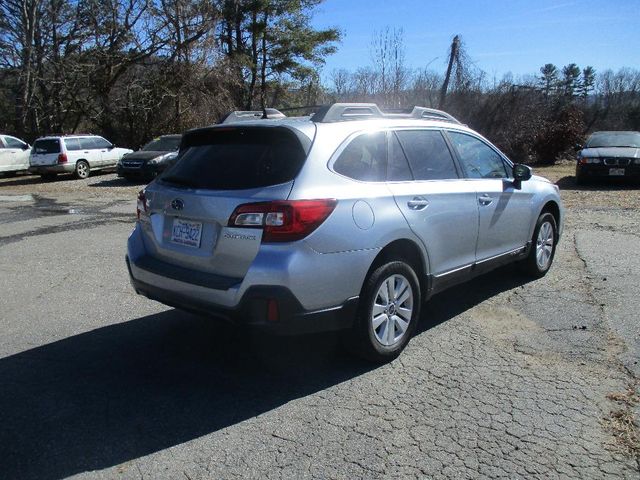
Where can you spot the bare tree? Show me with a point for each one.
(388, 56)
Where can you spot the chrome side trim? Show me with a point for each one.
(515, 251)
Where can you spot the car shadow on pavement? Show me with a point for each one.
(459, 299)
(107, 396)
(597, 184)
(123, 391)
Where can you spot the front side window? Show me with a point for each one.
(101, 142)
(478, 159)
(14, 142)
(428, 154)
(365, 158)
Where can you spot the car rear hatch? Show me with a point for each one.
(186, 211)
(45, 152)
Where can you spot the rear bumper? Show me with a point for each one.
(256, 308)
(58, 168)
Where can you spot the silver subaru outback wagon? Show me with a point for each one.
(347, 220)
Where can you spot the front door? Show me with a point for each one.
(505, 212)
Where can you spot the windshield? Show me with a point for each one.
(163, 144)
(614, 139)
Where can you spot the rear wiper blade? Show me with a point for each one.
(185, 182)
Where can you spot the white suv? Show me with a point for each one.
(77, 154)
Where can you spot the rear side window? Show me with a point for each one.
(398, 166)
(72, 144)
(428, 154)
(237, 158)
(365, 158)
(478, 159)
(50, 145)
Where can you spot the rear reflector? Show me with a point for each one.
(141, 206)
(283, 221)
(273, 315)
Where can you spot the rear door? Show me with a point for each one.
(438, 205)
(505, 212)
(219, 169)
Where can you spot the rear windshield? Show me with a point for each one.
(614, 139)
(47, 146)
(163, 144)
(237, 158)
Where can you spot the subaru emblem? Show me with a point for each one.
(177, 204)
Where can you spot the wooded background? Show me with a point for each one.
(134, 69)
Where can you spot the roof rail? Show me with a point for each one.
(433, 114)
(340, 112)
(247, 115)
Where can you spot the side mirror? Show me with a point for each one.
(112, 146)
(578, 147)
(26, 146)
(521, 173)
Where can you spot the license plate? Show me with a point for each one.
(186, 233)
(616, 171)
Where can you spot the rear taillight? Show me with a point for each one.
(62, 158)
(141, 208)
(283, 221)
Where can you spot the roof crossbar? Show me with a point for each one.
(340, 112)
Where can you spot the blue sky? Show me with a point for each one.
(500, 36)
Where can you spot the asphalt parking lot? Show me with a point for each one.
(507, 378)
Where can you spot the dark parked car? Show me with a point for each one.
(609, 154)
(151, 159)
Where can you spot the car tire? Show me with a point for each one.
(543, 246)
(82, 170)
(388, 311)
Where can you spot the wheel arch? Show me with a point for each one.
(405, 250)
(553, 208)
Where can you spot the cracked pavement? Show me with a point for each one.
(506, 378)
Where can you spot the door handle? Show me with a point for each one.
(418, 203)
(485, 199)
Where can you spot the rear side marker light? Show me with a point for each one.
(62, 158)
(283, 221)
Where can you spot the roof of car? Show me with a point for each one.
(67, 135)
